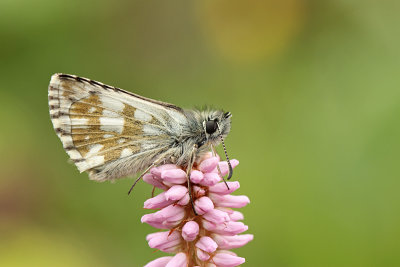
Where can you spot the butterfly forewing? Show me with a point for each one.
(100, 125)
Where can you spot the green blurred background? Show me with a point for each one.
(314, 89)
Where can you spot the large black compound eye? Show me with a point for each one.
(211, 127)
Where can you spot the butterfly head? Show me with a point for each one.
(217, 125)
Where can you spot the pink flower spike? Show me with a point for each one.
(229, 200)
(207, 244)
(196, 176)
(203, 205)
(160, 262)
(208, 165)
(221, 188)
(176, 192)
(190, 231)
(197, 235)
(227, 260)
(179, 260)
(175, 176)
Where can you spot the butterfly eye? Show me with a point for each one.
(211, 126)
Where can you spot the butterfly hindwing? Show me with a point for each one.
(100, 125)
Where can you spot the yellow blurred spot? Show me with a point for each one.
(247, 31)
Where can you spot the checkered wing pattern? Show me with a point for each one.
(105, 129)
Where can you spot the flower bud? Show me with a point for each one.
(210, 178)
(179, 260)
(208, 165)
(228, 228)
(202, 255)
(223, 166)
(167, 218)
(226, 259)
(236, 216)
(176, 192)
(184, 201)
(203, 205)
(165, 241)
(160, 262)
(156, 171)
(175, 176)
(216, 216)
(157, 202)
(190, 231)
(230, 242)
(196, 176)
(229, 200)
(154, 180)
(206, 244)
(221, 188)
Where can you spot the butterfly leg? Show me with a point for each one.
(141, 176)
(188, 171)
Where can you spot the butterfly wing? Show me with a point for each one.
(107, 131)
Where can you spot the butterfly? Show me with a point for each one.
(111, 133)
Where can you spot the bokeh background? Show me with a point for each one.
(314, 89)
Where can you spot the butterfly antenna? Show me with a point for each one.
(226, 155)
(219, 169)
